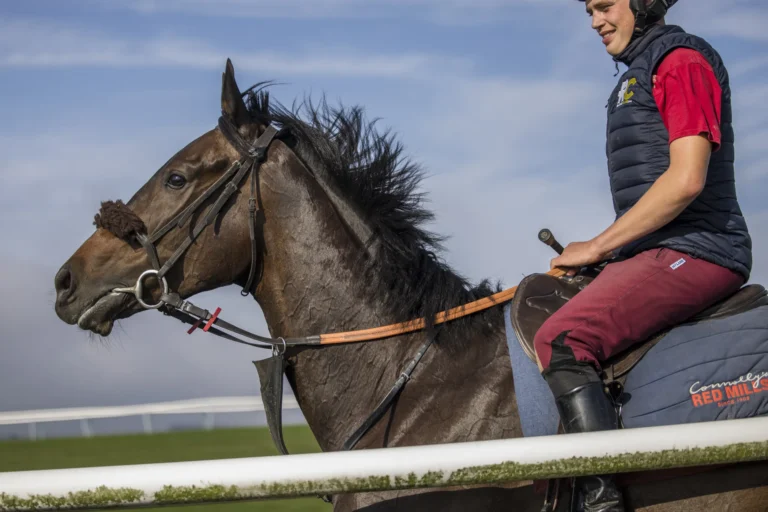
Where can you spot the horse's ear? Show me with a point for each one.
(232, 104)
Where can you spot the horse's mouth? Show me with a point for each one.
(101, 316)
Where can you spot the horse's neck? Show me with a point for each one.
(310, 287)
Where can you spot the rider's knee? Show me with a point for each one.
(542, 341)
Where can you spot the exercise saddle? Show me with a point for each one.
(713, 366)
(539, 296)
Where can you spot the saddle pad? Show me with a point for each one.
(712, 370)
(535, 404)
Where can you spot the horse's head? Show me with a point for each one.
(182, 190)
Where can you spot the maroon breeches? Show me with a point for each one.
(631, 300)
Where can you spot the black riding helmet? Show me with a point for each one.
(648, 12)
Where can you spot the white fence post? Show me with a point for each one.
(85, 429)
(147, 422)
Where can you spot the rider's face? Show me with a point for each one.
(614, 21)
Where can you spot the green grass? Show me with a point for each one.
(166, 447)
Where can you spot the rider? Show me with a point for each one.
(679, 242)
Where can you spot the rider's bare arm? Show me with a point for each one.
(669, 195)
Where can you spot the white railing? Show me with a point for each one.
(471, 463)
(207, 406)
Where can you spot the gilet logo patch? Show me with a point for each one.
(625, 94)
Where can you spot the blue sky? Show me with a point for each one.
(502, 101)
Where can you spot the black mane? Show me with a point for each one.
(368, 169)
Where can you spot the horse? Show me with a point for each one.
(331, 238)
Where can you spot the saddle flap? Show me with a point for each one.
(538, 297)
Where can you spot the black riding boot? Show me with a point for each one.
(585, 407)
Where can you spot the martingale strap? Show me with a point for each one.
(271, 371)
(377, 413)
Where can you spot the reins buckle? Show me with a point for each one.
(257, 153)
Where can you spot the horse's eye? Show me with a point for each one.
(176, 181)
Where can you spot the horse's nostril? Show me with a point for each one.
(64, 284)
(66, 281)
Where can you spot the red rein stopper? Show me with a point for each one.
(194, 326)
(213, 319)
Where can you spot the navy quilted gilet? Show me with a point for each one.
(712, 227)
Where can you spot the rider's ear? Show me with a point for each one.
(232, 104)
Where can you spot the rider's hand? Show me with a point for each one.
(579, 254)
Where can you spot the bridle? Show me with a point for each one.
(252, 156)
(229, 183)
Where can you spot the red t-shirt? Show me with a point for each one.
(688, 96)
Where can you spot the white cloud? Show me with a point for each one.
(756, 169)
(748, 65)
(439, 11)
(25, 163)
(69, 171)
(752, 150)
(743, 19)
(504, 127)
(33, 44)
(750, 110)
(738, 19)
